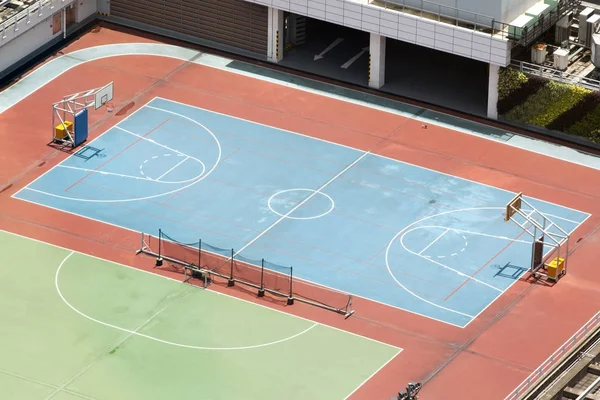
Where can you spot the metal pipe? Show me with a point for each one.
(589, 389)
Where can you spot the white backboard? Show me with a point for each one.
(103, 95)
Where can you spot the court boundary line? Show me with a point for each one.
(196, 60)
(361, 151)
(313, 194)
(311, 283)
(141, 178)
(430, 259)
(212, 291)
(474, 233)
(147, 104)
(135, 332)
(408, 228)
(116, 126)
(570, 233)
(373, 374)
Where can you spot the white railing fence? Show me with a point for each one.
(26, 13)
(555, 358)
(556, 75)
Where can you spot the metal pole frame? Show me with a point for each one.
(558, 239)
(70, 105)
(231, 281)
(290, 299)
(261, 289)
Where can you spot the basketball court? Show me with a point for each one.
(441, 253)
(391, 232)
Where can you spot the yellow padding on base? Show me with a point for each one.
(59, 131)
(555, 267)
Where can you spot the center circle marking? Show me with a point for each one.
(269, 203)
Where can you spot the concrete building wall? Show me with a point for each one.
(401, 26)
(499, 10)
(85, 8)
(20, 43)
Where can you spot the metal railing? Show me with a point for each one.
(556, 75)
(479, 22)
(26, 14)
(555, 358)
(545, 22)
(446, 14)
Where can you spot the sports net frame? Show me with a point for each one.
(208, 263)
(65, 112)
(538, 225)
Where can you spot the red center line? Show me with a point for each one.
(483, 266)
(113, 157)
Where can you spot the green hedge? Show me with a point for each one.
(577, 113)
(588, 127)
(509, 81)
(547, 104)
(518, 97)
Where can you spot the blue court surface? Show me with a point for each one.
(378, 228)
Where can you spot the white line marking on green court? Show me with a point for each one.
(135, 332)
(212, 291)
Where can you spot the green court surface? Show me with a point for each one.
(74, 326)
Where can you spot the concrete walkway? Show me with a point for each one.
(60, 65)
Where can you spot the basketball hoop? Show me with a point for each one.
(110, 107)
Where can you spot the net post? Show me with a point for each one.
(159, 260)
(199, 253)
(290, 299)
(261, 290)
(141, 245)
(231, 281)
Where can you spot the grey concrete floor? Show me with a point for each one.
(412, 71)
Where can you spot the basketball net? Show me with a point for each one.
(110, 107)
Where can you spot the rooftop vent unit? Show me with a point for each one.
(583, 24)
(539, 53)
(596, 50)
(561, 59)
(592, 27)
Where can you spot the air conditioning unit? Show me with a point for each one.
(596, 50)
(562, 28)
(592, 26)
(561, 59)
(583, 25)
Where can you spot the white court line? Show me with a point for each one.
(435, 240)
(516, 280)
(299, 87)
(178, 281)
(136, 333)
(141, 178)
(299, 279)
(407, 228)
(325, 141)
(147, 178)
(373, 374)
(152, 141)
(177, 165)
(471, 233)
(193, 181)
(443, 265)
(374, 154)
(301, 203)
